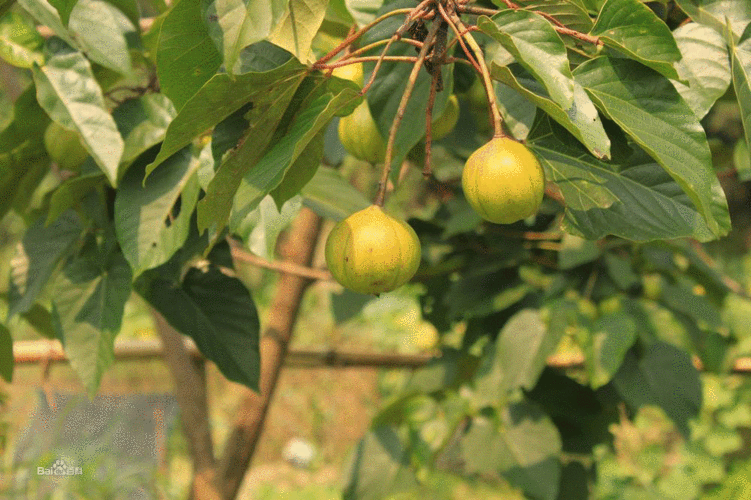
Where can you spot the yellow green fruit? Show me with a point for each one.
(503, 181)
(64, 146)
(359, 135)
(352, 72)
(444, 124)
(372, 252)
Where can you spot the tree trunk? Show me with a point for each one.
(297, 247)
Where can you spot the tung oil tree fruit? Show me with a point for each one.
(503, 181)
(352, 72)
(359, 135)
(372, 252)
(444, 124)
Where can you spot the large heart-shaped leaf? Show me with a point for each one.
(215, 310)
(641, 202)
(649, 109)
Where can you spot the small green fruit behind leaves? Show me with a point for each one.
(372, 252)
(64, 146)
(444, 124)
(359, 135)
(503, 181)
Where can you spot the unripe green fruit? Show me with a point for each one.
(352, 72)
(503, 181)
(371, 252)
(64, 146)
(359, 135)
(444, 124)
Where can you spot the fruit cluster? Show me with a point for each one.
(372, 252)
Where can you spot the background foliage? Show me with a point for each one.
(208, 120)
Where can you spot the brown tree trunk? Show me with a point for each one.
(297, 247)
(190, 391)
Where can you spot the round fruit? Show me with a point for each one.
(359, 135)
(444, 124)
(503, 181)
(352, 72)
(372, 252)
(64, 146)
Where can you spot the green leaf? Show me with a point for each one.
(71, 192)
(535, 45)
(630, 27)
(363, 11)
(348, 304)
(89, 298)
(219, 98)
(665, 376)
(640, 203)
(522, 349)
(20, 43)
(611, 337)
(101, 31)
(572, 13)
(648, 108)
(41, 319)
(737, 315)
(330, 195)
(153, 218)
(714, 13)
(621, 272)
(735, 486)
(262, 120)
(143, 123)
(299, 25)
(518, 113)
(301, 171)
(216, 311)
(6, 354)
(68, 92)
(235, 24)
(268, 173)
(524, 446)
(64, 8)
(37, 258)
(741, 71)
(46, 14)
(582, 120)
(185, 57)
(379, 466)
(704, 66)
(679, 297)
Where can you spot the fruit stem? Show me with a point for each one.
(354, 60)
(459, 37)
(351, 38)
(400, 112)
(427, 170)
(487, 82)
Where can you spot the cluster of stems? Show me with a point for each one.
(433, 52)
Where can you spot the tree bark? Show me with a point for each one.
(190, 392)
(297, 248)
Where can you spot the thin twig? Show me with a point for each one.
(400, 112)
(427, 171)
(494, 112)
(339, 63)
(280, 266)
